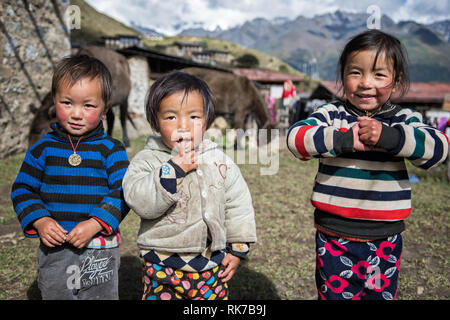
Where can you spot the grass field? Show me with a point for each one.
(281, 264)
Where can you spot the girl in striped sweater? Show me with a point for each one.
(69, 189)
(362, 193)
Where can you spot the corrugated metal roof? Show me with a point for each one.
(426, 92)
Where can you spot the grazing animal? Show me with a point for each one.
(236, 97)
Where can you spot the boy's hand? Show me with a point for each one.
(50, 232)
(357, 143)
(83, 233)
(186, 158)
(230, 262)
(369, 130)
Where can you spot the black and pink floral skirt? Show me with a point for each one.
(356, 270)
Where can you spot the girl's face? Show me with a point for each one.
(79, 108)
(181, 118)
(368, 88)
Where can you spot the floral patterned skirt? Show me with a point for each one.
(357, 270)
(165, 283)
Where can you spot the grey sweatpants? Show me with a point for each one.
(69, 273)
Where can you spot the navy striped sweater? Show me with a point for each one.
(371, 185)
(47, 185)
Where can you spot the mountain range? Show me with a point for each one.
(312, 45)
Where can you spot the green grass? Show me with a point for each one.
(281, 264)
(8, 171)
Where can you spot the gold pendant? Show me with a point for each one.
(74, 160)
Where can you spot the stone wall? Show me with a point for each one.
(140, 83)
(33, 38)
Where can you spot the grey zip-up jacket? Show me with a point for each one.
(212, 199)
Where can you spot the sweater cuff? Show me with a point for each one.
(343, 141)
(239, 250)
(169, 175)
(390, 138)
(180, 172)
(106, 228)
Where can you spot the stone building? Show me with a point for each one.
(122, 41)
(33, 38)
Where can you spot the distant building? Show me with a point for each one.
(270, 85)
(198, 53)
(187, 49)
(268, 82)
(446, 105)
(327, 90)
(202, 56)
(153, 36)
(221, 56)
(121, 41)
(161, 63)
(425, 95)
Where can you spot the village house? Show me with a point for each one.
(269, 83)
(202, 56)
(198, 53)
(120, 41)
(221, 56)
(183, 49)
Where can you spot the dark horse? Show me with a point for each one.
(237, 98)
(117, 64)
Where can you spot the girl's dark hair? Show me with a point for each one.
(171, 83)
(72, 69)
(382, 43)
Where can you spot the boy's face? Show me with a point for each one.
(368, 88)
(181, 118)
(80, 108)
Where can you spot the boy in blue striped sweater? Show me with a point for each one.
(69, 189)
(362, 192)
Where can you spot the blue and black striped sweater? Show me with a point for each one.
(47, 185)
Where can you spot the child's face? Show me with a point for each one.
(368, 88)
(80, 108)
(182, 118)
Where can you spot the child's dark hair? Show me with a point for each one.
(382, 43)
(72, 69)
(171, 83)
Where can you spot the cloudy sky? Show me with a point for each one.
(165, 15)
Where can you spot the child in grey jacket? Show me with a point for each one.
(197, 217)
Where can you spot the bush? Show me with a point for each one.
(247, 60)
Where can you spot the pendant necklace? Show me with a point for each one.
(74, 158)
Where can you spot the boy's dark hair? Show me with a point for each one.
(171, 83)
(72, 69)
(382, 43)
